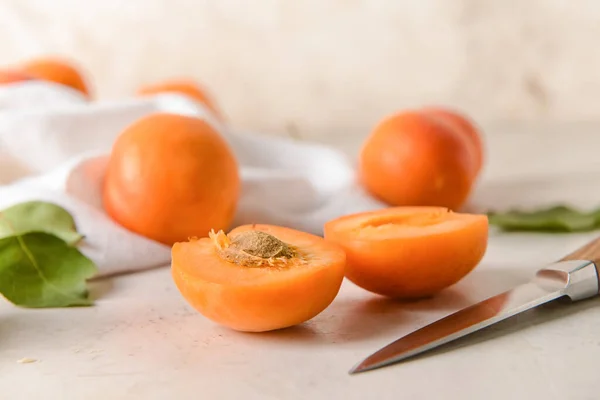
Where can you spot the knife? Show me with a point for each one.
(575, 276)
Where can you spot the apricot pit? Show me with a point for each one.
(252, 248)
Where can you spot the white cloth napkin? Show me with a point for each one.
(54, 146)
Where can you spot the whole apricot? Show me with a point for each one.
(171, 177)
(186, 87)
(13, 76)
(57, 70)
(412, 159)
(466, 126)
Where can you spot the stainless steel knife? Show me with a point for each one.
(575, 276)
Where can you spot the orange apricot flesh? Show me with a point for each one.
(235, 287)
(409, 252)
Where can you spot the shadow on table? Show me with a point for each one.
(355, 320)
(377, 316)
(371, 316)
(345, 320)
(7, 328)
(100, 288)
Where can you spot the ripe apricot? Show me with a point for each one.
(185, 87)
(409, 252)
(170, 177)
(466, 127)
(13, 76)
(57, 70)
(258, 277)
(411, 159)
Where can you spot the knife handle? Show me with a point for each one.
(588, 252)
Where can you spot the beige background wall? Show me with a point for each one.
(326, 67)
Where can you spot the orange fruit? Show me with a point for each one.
(411, 159)
(186, 87)
(13, 76)
(466, 126)
(57, 70)
(171, 177)
(258, 277)
(409, 252)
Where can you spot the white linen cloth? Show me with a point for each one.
(54, 145)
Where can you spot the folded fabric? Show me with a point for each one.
(54, 145)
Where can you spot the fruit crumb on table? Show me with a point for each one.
(26, 360)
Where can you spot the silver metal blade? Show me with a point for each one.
(577, 279)
(461, 323)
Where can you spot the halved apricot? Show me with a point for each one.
(409, 252)
(258, 277)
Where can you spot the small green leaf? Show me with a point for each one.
(551, 219)
(38, 216)
(38, 269)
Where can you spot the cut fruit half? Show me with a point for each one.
(258, 277)
(409, 252)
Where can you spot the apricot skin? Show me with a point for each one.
(467, 127)
(13, 76)
(171, 177)
(58, 70)
(186, 87)
(411, 159)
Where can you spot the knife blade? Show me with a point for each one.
(575, 276)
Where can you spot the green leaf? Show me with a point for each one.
(38, 216)
(551, 219)
(38, 269)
